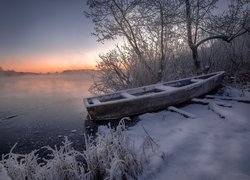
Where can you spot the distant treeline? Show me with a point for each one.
(14, 73)
(78, 71)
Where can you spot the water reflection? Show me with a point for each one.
(45, 108)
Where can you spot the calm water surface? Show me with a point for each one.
(44, 109)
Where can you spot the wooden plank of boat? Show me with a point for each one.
(150, 98)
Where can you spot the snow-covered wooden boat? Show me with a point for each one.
(150, 98)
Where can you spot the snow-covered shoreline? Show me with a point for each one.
(176, 147)
(206, 147)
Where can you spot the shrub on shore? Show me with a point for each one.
(111, 155)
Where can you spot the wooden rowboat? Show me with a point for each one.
(150, 98)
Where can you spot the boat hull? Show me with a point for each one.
(148, 103)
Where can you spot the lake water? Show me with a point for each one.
(42, 109)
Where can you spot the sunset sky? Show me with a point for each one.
(47, 36)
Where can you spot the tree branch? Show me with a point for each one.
(223, 37)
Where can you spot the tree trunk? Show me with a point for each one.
(160, 72)
(191, 44)
(197, 64)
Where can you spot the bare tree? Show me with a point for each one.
(145, 24)
(119, 70)
(114, 18)
(115, 71)
(160, 19)
(202, 24)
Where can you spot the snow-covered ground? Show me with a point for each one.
(205, 147)
(3, 173)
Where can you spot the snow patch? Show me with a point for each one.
(3, 173)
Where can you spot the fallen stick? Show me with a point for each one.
(205, 102)
(8, 117)
(184, 113)
(239, 99)
(213, 107)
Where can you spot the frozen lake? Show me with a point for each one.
(44, 109)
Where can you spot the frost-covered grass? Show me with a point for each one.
(111, 155)
(62, 164)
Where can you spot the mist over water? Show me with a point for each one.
(39, 110)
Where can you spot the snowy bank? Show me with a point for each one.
(162, 145)
(110, 155)
(206, 147)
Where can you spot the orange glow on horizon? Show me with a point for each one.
(57, 61)
(50, 69)
(50, 63)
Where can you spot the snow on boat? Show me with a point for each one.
(150, 98)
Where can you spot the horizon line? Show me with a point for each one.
(48, 72)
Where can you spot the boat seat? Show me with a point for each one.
(96, 101)
(196, 80)
(127, 95)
